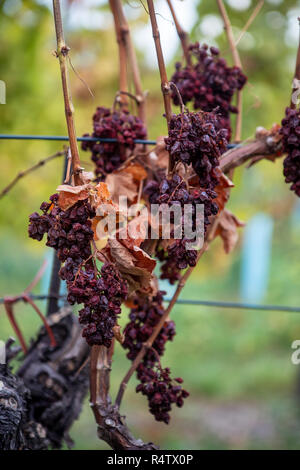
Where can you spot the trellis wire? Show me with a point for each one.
(80, 139)
(204, 303)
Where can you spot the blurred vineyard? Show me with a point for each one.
(235, 363)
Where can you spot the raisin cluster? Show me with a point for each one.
(194, 139)
(119, 125)
(208, 83)
(291, 145)
(174, 192)
(69, 232)
(102, 295)
(156, 382)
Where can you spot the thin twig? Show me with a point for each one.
(122, 56)
(62, 54)
(37, 277)
(183, 36)
(131, 57)
(23, 173)
(237, 63)
(165, 86)
(250, 20)
(297, 73)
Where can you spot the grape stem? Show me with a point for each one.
(62, 54)
(237, 63)
(126, 41)
(183, 36)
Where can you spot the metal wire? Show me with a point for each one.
(204, 303)
(80, 139)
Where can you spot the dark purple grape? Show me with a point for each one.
(209, 83)
(291, 145)
(119, 125)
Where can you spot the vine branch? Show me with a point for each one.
(165, 86)
(62, 54)
(237, 63)
(297, 71)
(250, 20)
(23, 173)
(127, 43)
(183, 36)
(122, 56)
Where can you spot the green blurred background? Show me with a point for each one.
(235, 363)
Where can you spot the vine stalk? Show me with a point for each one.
(237, 63)
(165, 85)
(183, 36)
(128, 46)
(62, 54)
(122, 56)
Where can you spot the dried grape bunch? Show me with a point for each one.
(194, 139)
(102, 294)
(174, 193)
(208, 83)
(291, 145)
(119, 125)
(69, 232)
(156, 382)
(168, 268)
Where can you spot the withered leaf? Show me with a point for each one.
(227, 227)
(222, 189)
(137, 171)
(134, 265)
(159, 157)
(121, 184)
(69, 195)
(118, 334)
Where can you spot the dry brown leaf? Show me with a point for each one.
(121, 184)
(137, 227)
(87, 176)
(69, 195)
(102, 194)
(159, 157)
(227, 229)
(118, 334)
(134, 265)
(137, 171)
(222, 189)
